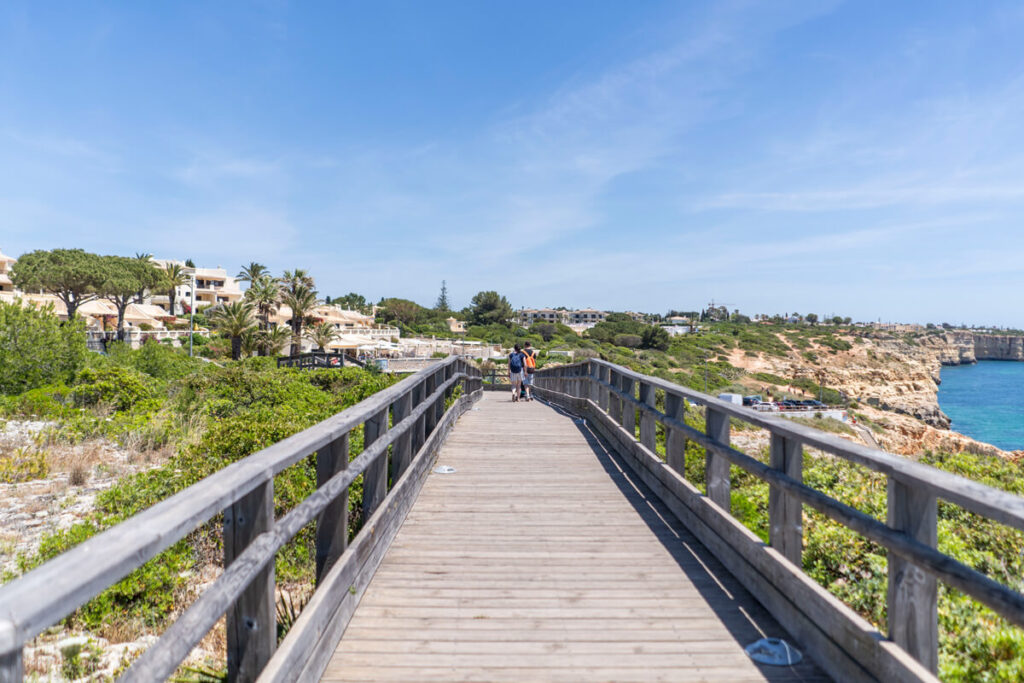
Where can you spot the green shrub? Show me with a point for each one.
(79, 660)
(36, 348)
(25, 464)
(51, 402)
(116, 386)
(154, 359)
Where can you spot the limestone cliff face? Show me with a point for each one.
(964, 348)
(998, 347)
(953, 348)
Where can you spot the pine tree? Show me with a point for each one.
(442, 299)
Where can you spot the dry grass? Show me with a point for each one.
(83, 456)
(125, 631)
(214, 644)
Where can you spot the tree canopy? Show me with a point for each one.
(351, 302)
(123, 278)
(73, 275)
(489, 308)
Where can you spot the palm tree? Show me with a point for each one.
(302, 301)
(322, 334)
(174, 277)
(252, 272)
(265, 294)
(233, 319)
(293, 279)
(142, 256)
(251, 341)
(272, 342)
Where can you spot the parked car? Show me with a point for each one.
(766, 407)
(751, 400)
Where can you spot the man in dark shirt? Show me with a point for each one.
(516, 366)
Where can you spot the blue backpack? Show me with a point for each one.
(515, 362)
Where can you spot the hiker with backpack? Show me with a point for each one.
(516, 366)
(530, 365)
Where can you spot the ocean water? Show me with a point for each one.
(985, 401)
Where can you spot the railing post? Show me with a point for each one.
(785, 513)
(675, 442)
(401, 451)
(648, 430)
(429, 386)
(604, 374)
(716, 468)
(332, 523)
(419, 431)
(375, 478)
(251, 621)
(593, 373)
(614, 401)
(913, 594)
(628, 409)
(12, 667)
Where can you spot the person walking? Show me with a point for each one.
(516, 363)
(530, 365)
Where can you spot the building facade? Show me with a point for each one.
(5, 272)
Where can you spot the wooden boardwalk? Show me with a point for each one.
(542, 559)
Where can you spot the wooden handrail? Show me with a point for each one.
(615, 394)
(33, 602)
(1000, 506)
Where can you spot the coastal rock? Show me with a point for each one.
(895, 379)
(998, 347)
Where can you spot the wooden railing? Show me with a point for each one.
(318, 359)
(616, 399)
(403, 427)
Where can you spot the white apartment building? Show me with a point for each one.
(5, 272)
(529, 316)
(586, 316)
(213, 286)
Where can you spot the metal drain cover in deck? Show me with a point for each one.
(774, 651)
(444, 469)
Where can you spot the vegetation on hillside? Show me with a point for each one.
(209, 416)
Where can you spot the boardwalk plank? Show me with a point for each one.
(541, 559)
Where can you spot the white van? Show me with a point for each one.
(732, 398)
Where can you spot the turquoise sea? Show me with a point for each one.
(986, 401)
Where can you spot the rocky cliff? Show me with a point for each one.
(998, 347)
(895, 378)
(963, 348)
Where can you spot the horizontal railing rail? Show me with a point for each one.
(402, 427)
(318, 359)
(627, 401)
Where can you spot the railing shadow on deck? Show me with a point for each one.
(740, 613)
(619, 402)
(403, 428)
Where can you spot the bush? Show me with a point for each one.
(630, 341)
(25, 464)
(52, 401)
(36, 348)
(117, 386)
(155, 360)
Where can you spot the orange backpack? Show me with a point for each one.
(531, 364)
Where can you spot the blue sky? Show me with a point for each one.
(859, 158)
